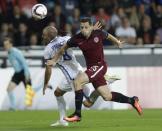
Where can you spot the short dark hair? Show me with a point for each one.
(8, 39)
(86, 19)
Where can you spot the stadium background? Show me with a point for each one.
(139, 63)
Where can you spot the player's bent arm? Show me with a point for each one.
(114, 40)
(58, 55)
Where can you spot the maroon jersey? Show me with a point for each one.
(92, 47)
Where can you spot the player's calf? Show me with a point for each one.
(91, 99)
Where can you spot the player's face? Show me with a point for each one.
(7, 45)
(86, 28)
(45, 37)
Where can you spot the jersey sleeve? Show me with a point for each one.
(72, 42)
(47, 54)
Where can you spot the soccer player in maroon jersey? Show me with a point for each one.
(91, 43)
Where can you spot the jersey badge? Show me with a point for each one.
(96, 39)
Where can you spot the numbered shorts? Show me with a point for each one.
(96, 75)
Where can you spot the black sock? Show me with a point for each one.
(78, 102)
(118, 97)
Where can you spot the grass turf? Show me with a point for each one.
(92, 120)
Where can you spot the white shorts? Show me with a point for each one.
(65, 85)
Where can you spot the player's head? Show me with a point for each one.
(86, 26)
(7, 43)
(49, 33)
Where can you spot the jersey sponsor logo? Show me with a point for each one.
(96, 39)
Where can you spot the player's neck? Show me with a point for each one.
(88, 35)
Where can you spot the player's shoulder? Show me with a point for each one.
(98, 31)
(77, 36)
(67, 37)
(101, 33)
(16, 50)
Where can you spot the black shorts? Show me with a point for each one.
(20, 77)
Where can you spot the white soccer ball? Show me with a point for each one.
(39, 11)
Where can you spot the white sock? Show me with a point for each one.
(61, 106)
(12, 100)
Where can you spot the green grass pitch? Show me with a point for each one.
(92, 120)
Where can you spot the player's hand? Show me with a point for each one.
(97, 26)
(51, 63)
(44, 89)
(120, 43)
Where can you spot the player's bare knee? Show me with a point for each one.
(58, 93)
(77, 84)
(107, 97)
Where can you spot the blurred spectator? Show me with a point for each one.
(141, 12)
(22, 36)
(104, 17)
(68, 30)
(17, 17)
(68, 6)
(157, 40)
(157, 17)
(139, 42)
(6, 6)
(65, 15)
(125, 32)
(74, 21)
(59, 18)
(146, 32)
(159, 32)
(4, 32)
(33, 40)
(121, 12)
(126, 4)
(115, 20)
(86, 7)
(48, 3)
(134, 20)
(26, 5)
(52, 24)
(108, 5)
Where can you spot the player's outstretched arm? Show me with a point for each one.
(56, 57)
(115, 40)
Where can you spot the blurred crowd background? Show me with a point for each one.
(138, 22)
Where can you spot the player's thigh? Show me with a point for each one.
(81, 79)
(11, 86)
(105, 92)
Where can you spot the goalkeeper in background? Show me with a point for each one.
(21, 74)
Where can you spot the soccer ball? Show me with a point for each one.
(39, 11)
